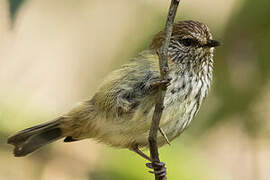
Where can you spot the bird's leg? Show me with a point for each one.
(164, 135)
(158, 167)
(136, 149)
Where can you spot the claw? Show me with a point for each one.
(149, 165)
(164, 82)
(156, 164)
(160, 173)
(160, 168)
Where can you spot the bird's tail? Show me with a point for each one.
(30, 139)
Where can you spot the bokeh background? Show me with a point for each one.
(54, 53)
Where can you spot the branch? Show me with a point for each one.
(163, 65)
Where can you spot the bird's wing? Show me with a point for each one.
(126, 88)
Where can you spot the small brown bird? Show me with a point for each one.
(120, 112)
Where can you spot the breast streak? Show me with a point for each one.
(182, 101)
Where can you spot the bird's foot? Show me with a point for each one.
(158, 167)
(161, 83)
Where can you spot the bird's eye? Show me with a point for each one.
(187, 42)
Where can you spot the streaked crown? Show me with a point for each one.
(194, 31)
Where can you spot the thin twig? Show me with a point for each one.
(163, 65)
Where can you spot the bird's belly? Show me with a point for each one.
(177, 115)
(174, 120)
(177, 118)
(182, 102)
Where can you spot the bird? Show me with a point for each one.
(120, 112)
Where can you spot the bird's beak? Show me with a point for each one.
(211, 43)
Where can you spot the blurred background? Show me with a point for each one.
(54, 53)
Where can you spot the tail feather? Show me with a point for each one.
(30, 139)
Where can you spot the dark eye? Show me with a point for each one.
(187, 42)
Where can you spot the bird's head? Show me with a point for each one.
(191, 43)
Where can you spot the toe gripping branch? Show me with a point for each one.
(159, 169)
(160, 83)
